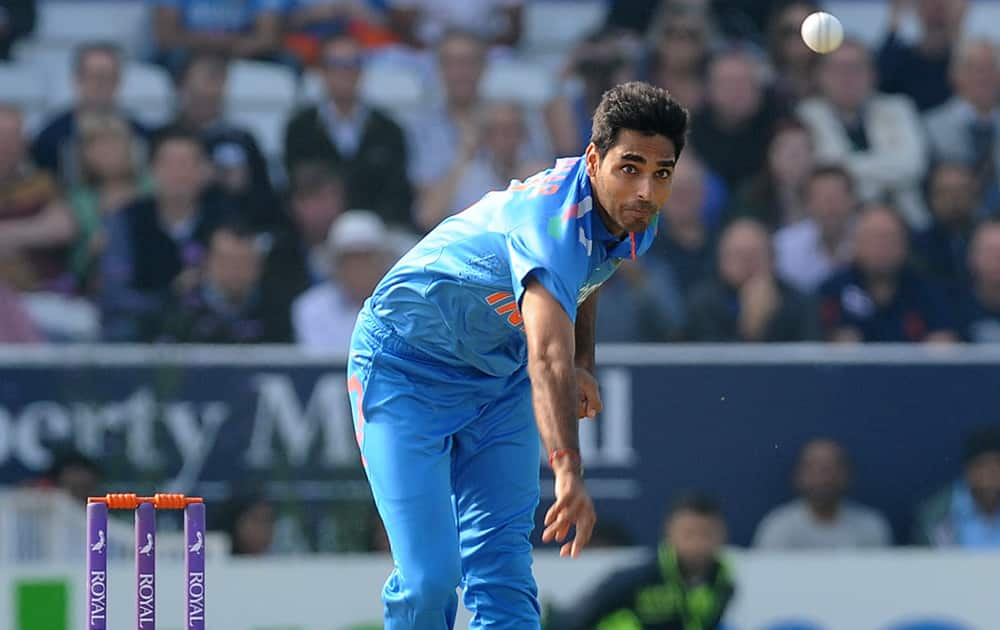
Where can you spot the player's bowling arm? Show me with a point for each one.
(586, 332)
(551, 340)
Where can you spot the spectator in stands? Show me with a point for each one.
(731, 131)
(746, 301)
(811, 250)
(942, 249)
(226, 306)
(689, 565)
(965, 128)
(424, 23)
(649, 305)
(598, 62)
(794, 62)
(360, 141)
(967, 514)
(438, 135)
(876, 137)
(686, 242)
(309, 23)
(157, 244)
(251, 523)
(775, 196)
(632, 17)
(679, 53)
(740, 19)
(76, 474)
(361, 252)
(878, 298)
(300, 257)
(919, 70)
(16, 325)
(489, 157)
(245, 29)
(980, 303)
(17, 20)
(112, 176)
(240, 168)
(822, 517)
(97, 69)
(35, 225)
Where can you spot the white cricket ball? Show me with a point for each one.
(822, 32)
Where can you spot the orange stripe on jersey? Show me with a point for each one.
(499, 296)
(506, 308)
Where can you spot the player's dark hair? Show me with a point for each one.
(639, 107)
(695, 503)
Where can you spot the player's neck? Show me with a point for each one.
(613, 228)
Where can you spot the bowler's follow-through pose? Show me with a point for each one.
(480, 339)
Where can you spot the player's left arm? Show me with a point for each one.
(585, 357)
(549, 332)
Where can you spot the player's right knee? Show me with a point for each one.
(432, 591)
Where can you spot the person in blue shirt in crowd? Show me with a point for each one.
(967, 512)
(879, 298)
(485, 328)
(246, 29)
(979, 308)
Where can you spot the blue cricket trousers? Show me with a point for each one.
(452, 458)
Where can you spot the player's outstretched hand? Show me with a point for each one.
(590, 394)
(572, 507)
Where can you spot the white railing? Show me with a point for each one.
(616, 353)
(44, 525)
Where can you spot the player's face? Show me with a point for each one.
(632, 181)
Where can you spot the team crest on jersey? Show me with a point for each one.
(558, 224)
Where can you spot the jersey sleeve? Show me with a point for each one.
(554, 255)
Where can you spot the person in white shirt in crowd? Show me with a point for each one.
(489, 157)
(822, 517)
(964, 129)
(423, 23)
(361, 249)
(438, 135)
(810, 250)
(876, 137)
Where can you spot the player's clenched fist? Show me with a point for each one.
(590, 394)
(572, 507)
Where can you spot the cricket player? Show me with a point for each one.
(479, 340)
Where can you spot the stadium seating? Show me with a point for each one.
(390, 87)
(519, 81)
(23, 86)
(555, 25)
(66, 24)
(261, 96)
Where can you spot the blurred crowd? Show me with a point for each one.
(852, 197)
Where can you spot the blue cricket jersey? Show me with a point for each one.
(456, 295)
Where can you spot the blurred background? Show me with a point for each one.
(802, 402)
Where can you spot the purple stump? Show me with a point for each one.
(97, 566)
(194, 564)
(145, 566)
